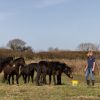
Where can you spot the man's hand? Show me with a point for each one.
(85, 69)
(92, 69)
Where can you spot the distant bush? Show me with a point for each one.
(47, 55)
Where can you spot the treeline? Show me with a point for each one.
(18, 47)
(47, 55)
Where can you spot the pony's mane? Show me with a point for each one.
(17, 59)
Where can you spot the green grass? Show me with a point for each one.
(50, 92)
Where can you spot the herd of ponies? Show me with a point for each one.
(13, 69)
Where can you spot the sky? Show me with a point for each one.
(43, 24)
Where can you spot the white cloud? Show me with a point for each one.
(46, 3)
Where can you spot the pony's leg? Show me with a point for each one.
(23, 75)
(54, 79)
(38, 77)
(9, 76)
(28, 78)
(59, 79)
(49, 79)
(44, 74)
(12, 79)
(25, 79)
(41, 78)
(32, 77)
(4, 78)
(44, 78)
(17, 78)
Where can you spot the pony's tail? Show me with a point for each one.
(5, 61)
(1, 67)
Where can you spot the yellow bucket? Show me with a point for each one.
(75, 82)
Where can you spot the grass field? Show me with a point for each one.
(50, 92)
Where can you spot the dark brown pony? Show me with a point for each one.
(4, 62)
(54, 68)
(27, 71)
(11, 70)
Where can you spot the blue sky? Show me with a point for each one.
(62, 24)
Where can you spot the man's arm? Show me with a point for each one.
(93, 66)
(86, 67)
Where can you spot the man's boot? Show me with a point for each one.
(92, 82)
(88, 82)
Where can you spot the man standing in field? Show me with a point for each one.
(90, 66)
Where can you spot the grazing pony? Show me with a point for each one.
(54, 68)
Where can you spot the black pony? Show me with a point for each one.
(27, 71)
(11, 70)
(54, 68)
(4, 62)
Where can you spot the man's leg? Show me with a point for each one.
(86, 76)
(92, 76)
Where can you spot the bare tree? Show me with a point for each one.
(53, 49)
(28, 49)
(87, 46)
(16, 44)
